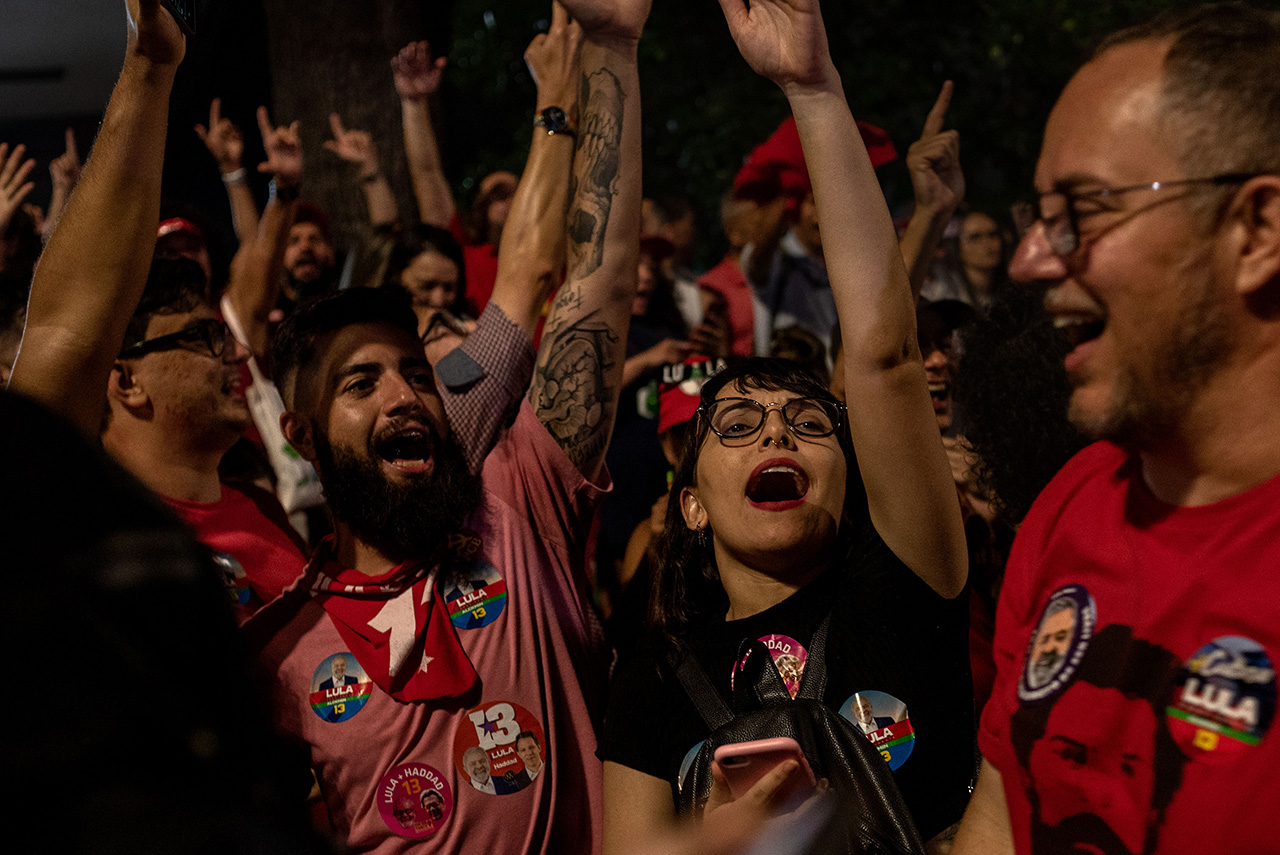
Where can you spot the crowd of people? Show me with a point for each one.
(535, 536)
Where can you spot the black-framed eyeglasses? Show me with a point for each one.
(738, 418)
(207, 336)
(1060, 210)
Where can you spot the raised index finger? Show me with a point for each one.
(933, 124)
(71, 144)
(264, 123)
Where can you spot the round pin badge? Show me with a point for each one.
(339, 688)
(233, 575)
(499, 748)
(1224, 698)
(789, 657)
(1058, 643)
(884, 721)
(476, 596)
(414, 800)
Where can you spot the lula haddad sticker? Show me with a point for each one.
(1058, 643)
(500, 748)
(1224, 698)
(884, 721)
(414, 800)
(339, 688)
(788, 656)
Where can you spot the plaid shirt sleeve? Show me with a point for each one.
(482, 382)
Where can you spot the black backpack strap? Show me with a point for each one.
(757, 683)
(714, 711)
(813, 682)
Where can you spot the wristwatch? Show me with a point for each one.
(554, 120)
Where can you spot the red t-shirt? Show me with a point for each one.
(1135, 649)
(258, 556)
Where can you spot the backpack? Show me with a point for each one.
(874, 818)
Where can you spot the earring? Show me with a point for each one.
(702, 537)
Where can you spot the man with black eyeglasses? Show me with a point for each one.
(175, 406)
(1157, 236)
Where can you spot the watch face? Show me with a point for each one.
(554, 117)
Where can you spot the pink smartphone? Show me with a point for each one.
(745, 763)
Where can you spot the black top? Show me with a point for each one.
(890, 633)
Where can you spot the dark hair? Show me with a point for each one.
(671, 207)
(174, 286)
(478, 217)
(1221, 94)
(1012, 390)
(528, 733)
(301, 334)
(1141, 671)
(421, 238)
(686, 581)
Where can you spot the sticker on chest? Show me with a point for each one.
(475, 593)
(884, 721)
(234, 577)
(414, 800)
(339, 688)
(500, 748)
(789, 657)
(1224, 699)
(1058, 643)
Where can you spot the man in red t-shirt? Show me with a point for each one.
(1138, 627)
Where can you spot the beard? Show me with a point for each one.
(1147, 405)
(1083, 832)
(402, 521)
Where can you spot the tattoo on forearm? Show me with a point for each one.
(569, 391)
(595, 168)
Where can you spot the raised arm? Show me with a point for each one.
(225, 143)
(14, 185)
(532, 253)
(904, 469)
(64, 171)
(257, 269)
(92, 273)
(934, 164)
(357, 149)
(579, 368)
(417, 77)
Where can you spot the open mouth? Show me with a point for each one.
(777, 484)
(407, 450)
(939, 391)
(1079, 328)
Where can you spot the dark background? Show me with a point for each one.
(704, 109)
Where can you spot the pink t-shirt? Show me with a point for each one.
(257, 555)
(511, 768)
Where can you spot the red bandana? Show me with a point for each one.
(397, 627)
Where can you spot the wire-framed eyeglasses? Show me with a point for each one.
(1061, 210)
(739, 418)
(207, 336)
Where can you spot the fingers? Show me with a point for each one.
(264, 123)
(71, 145)
(335, 125)
(559, 17)
(215, 112)
(762, 792)
(735, 13)
(12, 163)
(203, 133)
(933, 123)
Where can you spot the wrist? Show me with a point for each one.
(370, 177)
(235, 175)
(283, 190)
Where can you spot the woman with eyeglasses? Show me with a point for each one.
(787, 508)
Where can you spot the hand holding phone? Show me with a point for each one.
(745, 763)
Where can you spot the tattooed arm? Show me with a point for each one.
(579, 368)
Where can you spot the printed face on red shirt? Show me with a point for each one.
(1093, 772)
